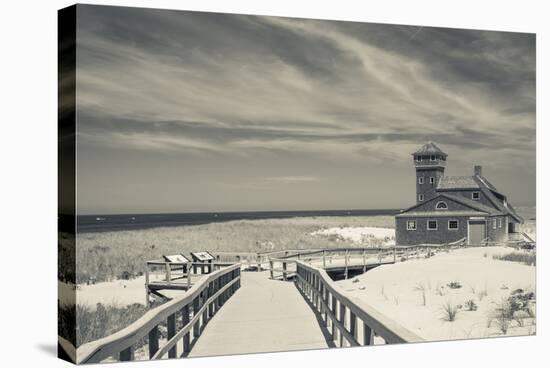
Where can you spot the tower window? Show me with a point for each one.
(421, 197)
(411, 225)
(418, 158)
(432, 180)
(432, 225)
(441, 206)
(475, 196)
(453, 225)
(421, 180)
(432, 158)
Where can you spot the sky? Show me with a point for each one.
(186, 111)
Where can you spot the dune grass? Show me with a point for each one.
(112, 255)
(527, 258)
(95, 323)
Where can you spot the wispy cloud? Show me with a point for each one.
(246, 87)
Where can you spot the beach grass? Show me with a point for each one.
(106, 256)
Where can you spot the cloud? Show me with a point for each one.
(235, 86)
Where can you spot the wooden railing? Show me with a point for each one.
(355, 257)
(193, 310)
(349, 322)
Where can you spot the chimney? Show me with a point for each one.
(477, 170)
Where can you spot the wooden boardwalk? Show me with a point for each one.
(263, 316)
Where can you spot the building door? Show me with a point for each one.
(476, 232)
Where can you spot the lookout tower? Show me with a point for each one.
(429, 162)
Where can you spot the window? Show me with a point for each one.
(494, 223)
(500, 222)
(411, 225)
(475, 196)
(432, 180)
(441, 206)
(420, 197)
(453, 225)
(418, 158)
(432, 158)
(432, 224)
(421, 180)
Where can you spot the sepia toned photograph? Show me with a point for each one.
(235, 184)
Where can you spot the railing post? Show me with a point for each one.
(333, 310)
(185, 321)
(353, 324)
(364, 260)
(126, 354)
(284, 271)
(205, 301)
(153, 341)
(342, 321)
(147, 285)
(211, 292)
(171, 327)
(168, 273)
(188, 278)
(271, 269)
(346, 265)
(324, 259)
(394, 254)
(196, 326)
(368, 336)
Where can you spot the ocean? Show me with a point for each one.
(101, 223)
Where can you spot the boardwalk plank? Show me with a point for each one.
(264, 315)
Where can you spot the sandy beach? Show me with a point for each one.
(395, 290)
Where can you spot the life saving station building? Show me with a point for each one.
(451, 208)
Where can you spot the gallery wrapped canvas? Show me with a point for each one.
(233, 184)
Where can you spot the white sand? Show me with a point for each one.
(391, 289)
(119, 292)
(359, 234)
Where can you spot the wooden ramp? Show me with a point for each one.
(263, 316)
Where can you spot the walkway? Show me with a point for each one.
(263, 316)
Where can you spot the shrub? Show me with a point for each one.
(450, 311)
(420, 287)
(470, 305)
(454, 285)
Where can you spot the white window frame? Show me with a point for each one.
(500, 222)
(432, 180)
(428, 225)
(494, 224)
(413, 222)
(433, 158)
(449, 225)
(418, 158)
(421, 180)
(421, 198)
(444, 208)
(478, 196)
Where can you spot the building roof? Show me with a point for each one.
(457, 182)
(493, 195)
(497, 199)
(474, 208)
(430, 148)
(473, 204)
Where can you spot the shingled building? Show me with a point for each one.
(451, 208)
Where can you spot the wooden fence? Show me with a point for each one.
(192, 310)
(349, 322)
